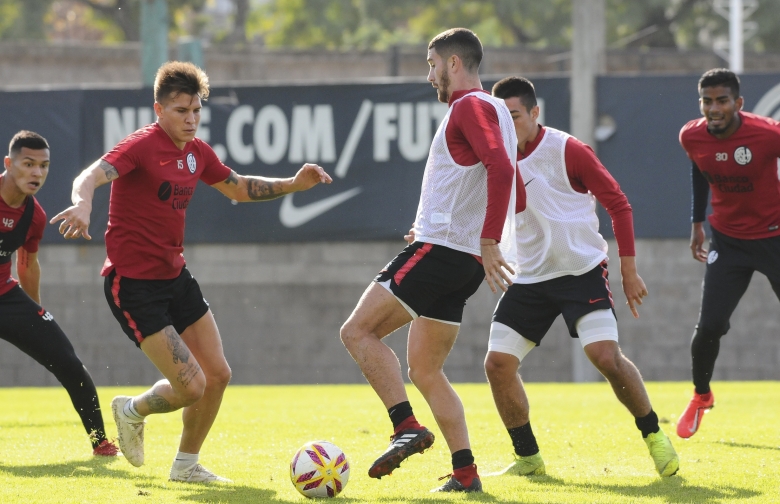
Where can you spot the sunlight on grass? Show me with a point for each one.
(591, 448)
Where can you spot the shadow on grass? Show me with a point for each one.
(210, 492)
(673, 490)
(747, 445)
(89, 468)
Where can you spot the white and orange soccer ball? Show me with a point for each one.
(319, 469)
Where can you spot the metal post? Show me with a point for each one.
(588, 60)
(736, 32)
(154, 38)
(191, 49)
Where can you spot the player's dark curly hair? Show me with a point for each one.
(516, 87)
(29, 139)
(720, 77)
(177, 77)
(461, 42)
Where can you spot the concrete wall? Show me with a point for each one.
(68, 65)
(279, 309)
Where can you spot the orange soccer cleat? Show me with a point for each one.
(690, 420)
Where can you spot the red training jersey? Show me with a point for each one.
(742, 171)
(9, 218)
(586, 173)
(473, 135)
(145, 234)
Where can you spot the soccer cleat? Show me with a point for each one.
(106, 449)
(131, 434)
(453, 485)
(666, 461)
(196, 474)
(690, 420)
(532, 465)
(404, 444)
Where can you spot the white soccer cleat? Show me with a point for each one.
(196, 474)
(131, 434)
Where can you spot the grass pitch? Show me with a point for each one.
(591, 448)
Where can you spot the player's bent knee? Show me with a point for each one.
(500, 366)
(220, 378)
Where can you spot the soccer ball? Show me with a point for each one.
(319, 469)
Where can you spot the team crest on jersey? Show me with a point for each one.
(191, 162)
(743, 155)
(712, 256)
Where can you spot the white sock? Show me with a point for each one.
(184, 460)
(131, 414)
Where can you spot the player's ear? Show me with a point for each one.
(158, 109)
(7, 162)
(535, 113)
(739, 102)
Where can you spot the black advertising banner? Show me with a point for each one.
(373, 139)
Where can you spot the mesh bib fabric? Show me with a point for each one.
(558, 233)
(453, 201)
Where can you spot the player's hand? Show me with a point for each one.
(495, 267)
(309, 176)
(633, 286)
(697, 242)
(409, 237)
(75, 222)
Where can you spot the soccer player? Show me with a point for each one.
(562, 262)
(23, 321)
(736, 154)
(467, 192)
(153, 174)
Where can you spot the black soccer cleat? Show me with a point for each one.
(453, 485)
(402, 446)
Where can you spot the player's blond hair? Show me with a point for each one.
(177, 77)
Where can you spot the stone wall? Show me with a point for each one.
(23, 65)
(279, 309)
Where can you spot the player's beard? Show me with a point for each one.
(719, 131)
(443, 91)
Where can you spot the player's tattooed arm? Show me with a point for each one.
(250, 188)
(108, 169)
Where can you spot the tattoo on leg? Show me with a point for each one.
(109, 170)
(261, 190)
(187, 374)
(177, 347)
(158, 404)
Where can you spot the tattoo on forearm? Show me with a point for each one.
(110, 171)
(262, 190)
(22, 258)
(232, 178)
(158, 404)
(178, 349)
(188, 373)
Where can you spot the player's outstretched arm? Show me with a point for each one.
(697, 242)
(245, 188)
(75, 219)
(633, 286)
(29, 270)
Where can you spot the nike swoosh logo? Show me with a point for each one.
(596, 300)
(293, 216)
(41, 312)
(163, 163)
(526, 184)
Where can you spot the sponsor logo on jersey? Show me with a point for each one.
(743, 155)
(712, 256)
(9, 223)
(191, 164)
(729, 183)
(181, 194)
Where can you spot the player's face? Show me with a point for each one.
(719, 107)
(525, 121)
(438, 76)
(27, 170)
(179, 116)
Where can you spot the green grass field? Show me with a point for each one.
(591, 448)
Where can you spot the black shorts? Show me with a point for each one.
(433, 281)
(530, 309)
(730, 266)
(144, 307)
